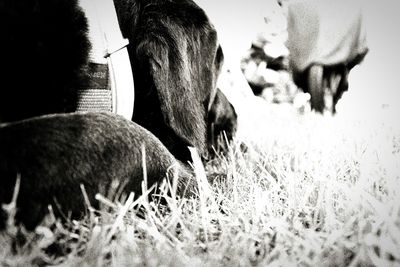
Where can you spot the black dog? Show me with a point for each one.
(176, 60)
(173, 50)
(54, 154)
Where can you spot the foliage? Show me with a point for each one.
(301, 190)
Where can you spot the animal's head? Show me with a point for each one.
(177, 63)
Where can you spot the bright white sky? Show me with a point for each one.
(238, 22)
(380, 72)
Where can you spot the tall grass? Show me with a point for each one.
(293, 190)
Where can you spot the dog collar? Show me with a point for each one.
(111, 85)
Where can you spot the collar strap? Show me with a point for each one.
(109, 47)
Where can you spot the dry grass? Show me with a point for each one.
(308, 191)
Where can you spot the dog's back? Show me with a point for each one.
(55, 154)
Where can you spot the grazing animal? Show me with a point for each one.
(173, 50)
(175, 60)
(54, 154)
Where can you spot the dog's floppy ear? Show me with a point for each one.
(182, 65)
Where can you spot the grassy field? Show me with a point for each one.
(304, 190)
